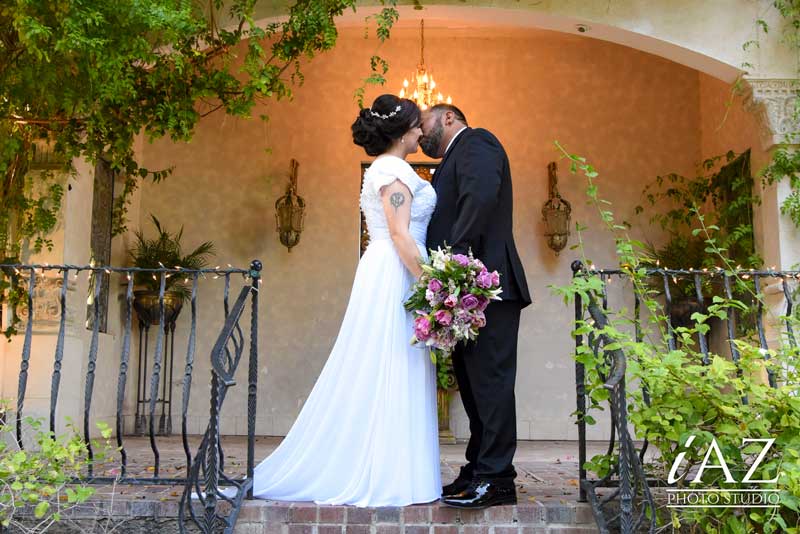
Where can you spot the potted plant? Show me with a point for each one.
(721, 196)
(163, 250)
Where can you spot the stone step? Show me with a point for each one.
(551, 517)
(148, 516)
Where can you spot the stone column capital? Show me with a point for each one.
(773, 101)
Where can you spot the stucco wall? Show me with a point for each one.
(707, 36)
(632, 114)
(71, 246)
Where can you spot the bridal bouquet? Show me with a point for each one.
(449, 300)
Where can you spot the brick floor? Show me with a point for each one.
(546, 488)
(547, 470)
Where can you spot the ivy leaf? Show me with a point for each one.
(41, 509)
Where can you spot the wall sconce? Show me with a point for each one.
(556, 213)
(290, 212)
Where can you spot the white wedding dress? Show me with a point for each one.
(368, 433)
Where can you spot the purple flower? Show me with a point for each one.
(461, 259)
(478, 319)
(451, 301)
(469, 301)
(479, 264)
(484, 279)
(483, 302)
(443, 339)
(443, 317)
(435, 285)
(495, 279)
(432, 298)
(422, 328)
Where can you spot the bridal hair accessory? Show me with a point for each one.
(392, 114)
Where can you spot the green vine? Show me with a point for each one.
(38, 485)
(86, 78)
(785, 162)
(688, 398)
(724, 190)
(384, 20)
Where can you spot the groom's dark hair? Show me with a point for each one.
(439, 108)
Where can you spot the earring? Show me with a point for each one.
(402, 139)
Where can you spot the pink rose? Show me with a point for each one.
(469, 301)
(422, 328)
(484, 279)
(435, 285)
(461, 259)
(495, 279)
(451, 301)
(478, 264)
(478, 319)
(483, 302)
(443, 317)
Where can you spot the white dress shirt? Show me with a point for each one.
(453, 139)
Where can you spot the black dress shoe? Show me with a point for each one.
(457, 486)
(482, 494)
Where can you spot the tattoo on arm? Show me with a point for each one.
(397, 200)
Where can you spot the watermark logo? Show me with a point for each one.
(722, 497)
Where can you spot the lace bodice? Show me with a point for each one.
(382, 172)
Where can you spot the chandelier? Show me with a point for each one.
(422, 88)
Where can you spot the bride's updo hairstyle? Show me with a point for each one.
(388, 119)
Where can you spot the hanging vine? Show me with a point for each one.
(785, 162)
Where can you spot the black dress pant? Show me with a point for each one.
(486, 371)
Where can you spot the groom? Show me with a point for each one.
(474, 211)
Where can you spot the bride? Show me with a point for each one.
(368, 434)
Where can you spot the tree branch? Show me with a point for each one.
(39, 121)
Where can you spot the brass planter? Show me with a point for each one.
(446, 435)
(145, 302)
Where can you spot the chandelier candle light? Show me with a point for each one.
(424, 87)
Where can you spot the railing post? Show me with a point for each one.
(731, 322)
(97, 279)
(668, 311)
(55, 381)
(26, 357)
(701, 336)
(789, 309)
(123, 374)
(252, 382)
(625, 455)
(762, 337)
(580, 389)
(155, 378)
(187, 377)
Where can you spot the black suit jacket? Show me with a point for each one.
(474, 208)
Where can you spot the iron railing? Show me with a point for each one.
(629, 505)
(206, 468)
